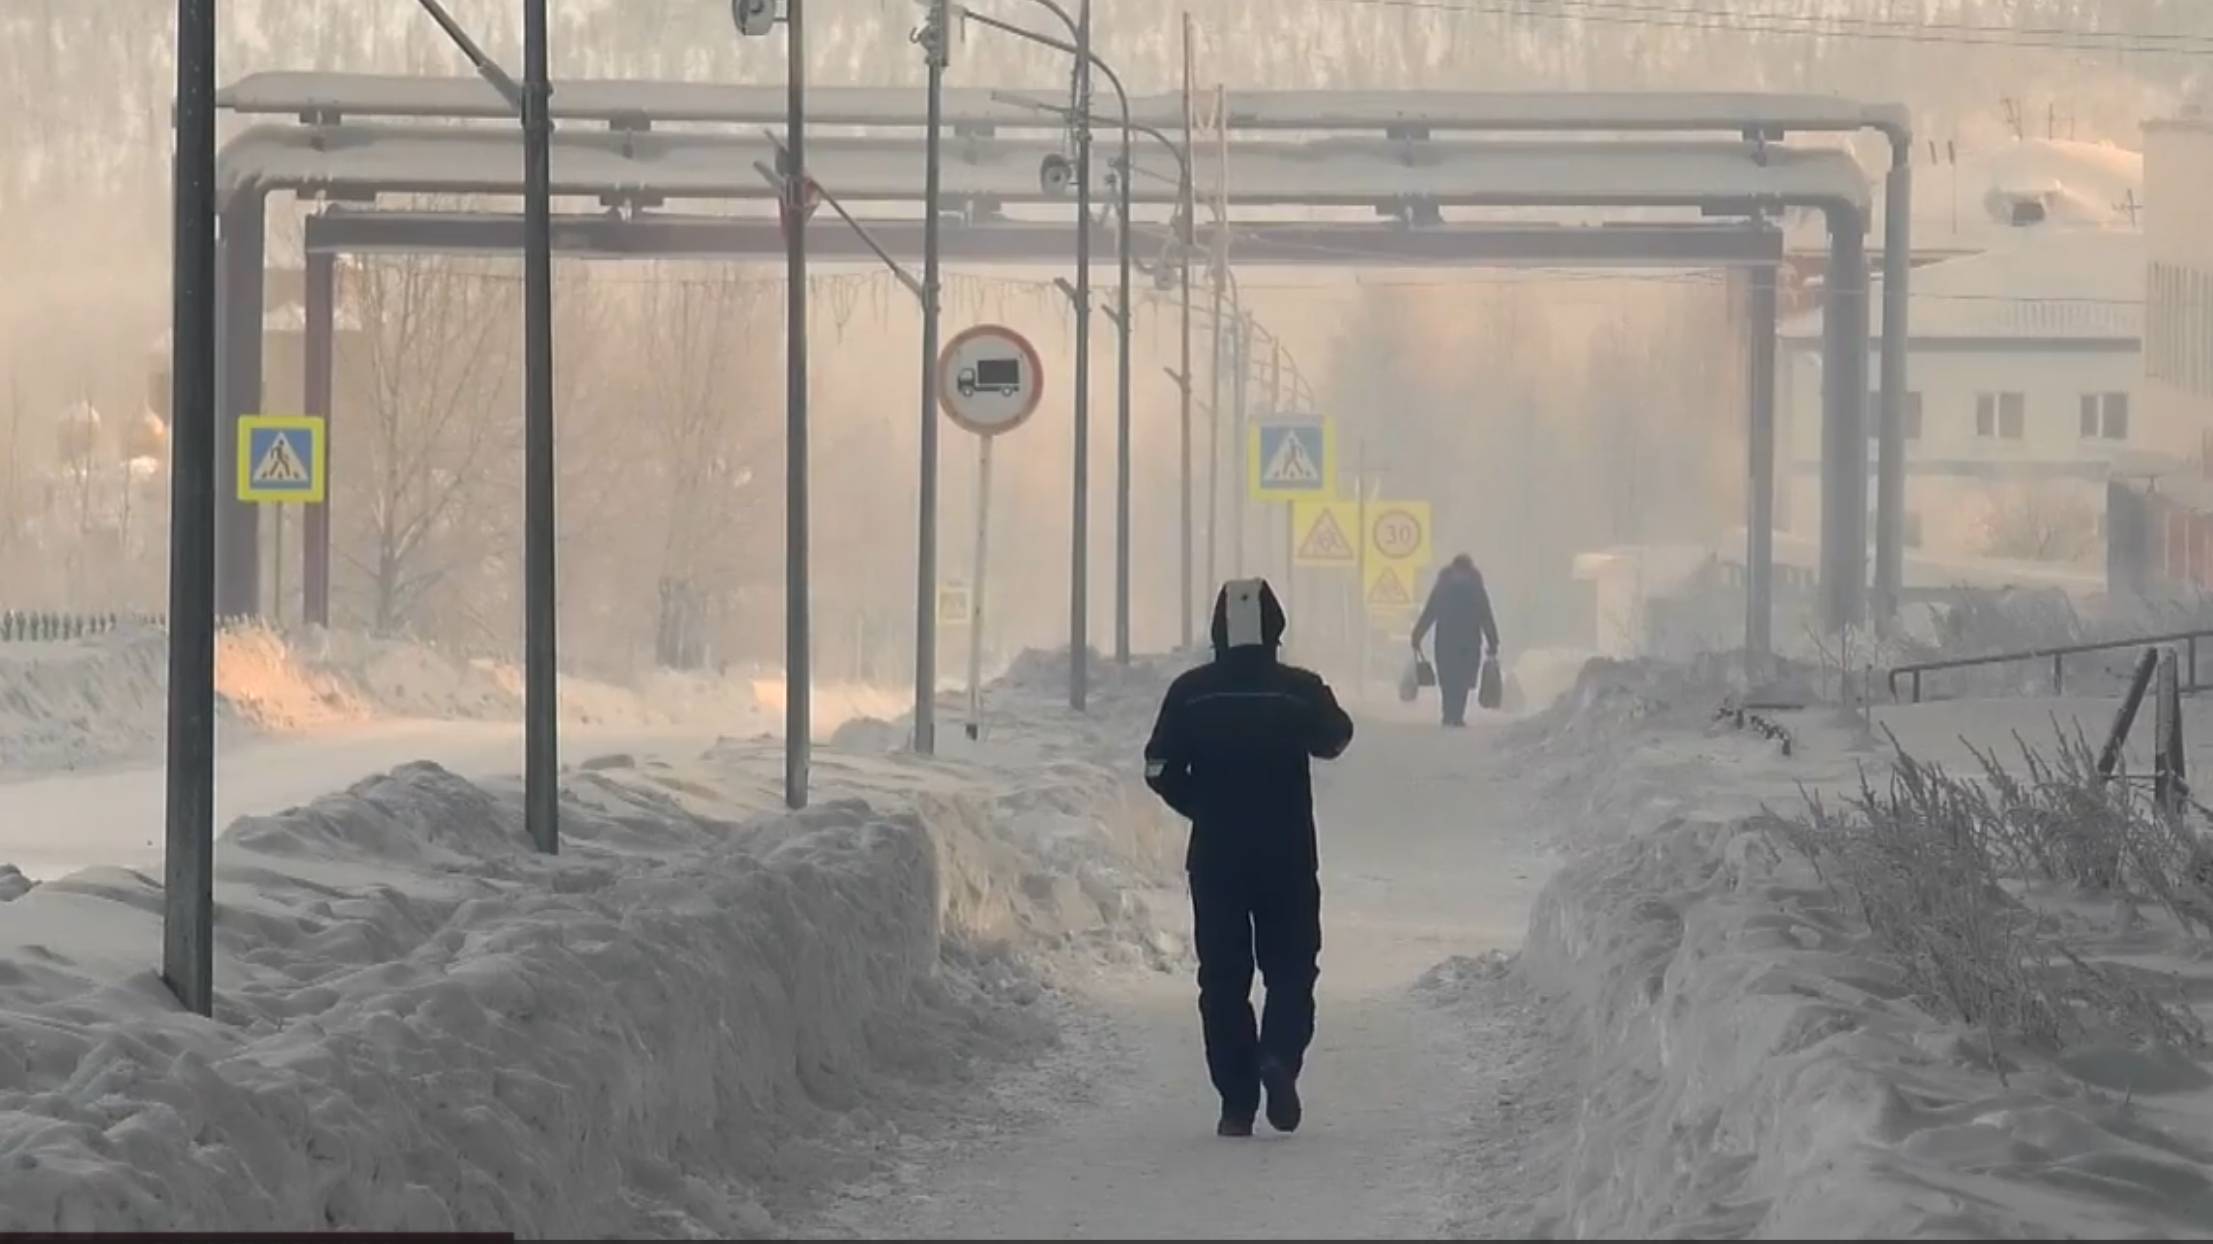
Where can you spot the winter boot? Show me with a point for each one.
(1234, 1125)
(1282, 1084)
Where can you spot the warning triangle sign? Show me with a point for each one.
(280, 464)
(1326, 541)
(1292, 466)
(1389, 589)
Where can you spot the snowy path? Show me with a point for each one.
(58, 823)
(1423, 860)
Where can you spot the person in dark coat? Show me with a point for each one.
(1231, 752)
(1460, 610)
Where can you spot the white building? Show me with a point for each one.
(2178, 354)
(2022, 375)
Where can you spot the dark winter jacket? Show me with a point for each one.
(1460, 610)
(1231, 752)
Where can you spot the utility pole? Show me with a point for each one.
(1190, 231)
(541, 600)
(1080, 518)
(188, 902)
(934, 50)
(798, 677)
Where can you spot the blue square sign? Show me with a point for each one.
(280, 459)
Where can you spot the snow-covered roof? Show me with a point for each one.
(2085, 284)
(1973, 202)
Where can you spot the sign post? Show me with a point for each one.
(989, 382)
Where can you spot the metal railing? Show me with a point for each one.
(37, 626)
(2058, 657)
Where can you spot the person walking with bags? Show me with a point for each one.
(1459, 610)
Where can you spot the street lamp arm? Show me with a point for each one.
(485, 66)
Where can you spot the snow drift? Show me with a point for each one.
(697, 1012)
(1753, 1068)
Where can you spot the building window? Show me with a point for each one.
(1912, 415)
(2105, 416)
(2003, 416)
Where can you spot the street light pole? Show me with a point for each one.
(1122, 410)
(1079, 644)
(798, 677)
(934, 45)
(542, 710)
(188, 857)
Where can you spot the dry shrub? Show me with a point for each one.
(1922, 863)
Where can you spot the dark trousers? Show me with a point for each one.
(1242, 920)
(1455, 679)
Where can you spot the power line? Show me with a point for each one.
(1668, 16)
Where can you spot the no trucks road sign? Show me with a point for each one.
(989, 380)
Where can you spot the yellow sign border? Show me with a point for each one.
(318, 469)
(1424, 553)
(1376, 570)
(1307, 514)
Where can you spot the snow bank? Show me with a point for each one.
(68, 704)
(1753, 1069)
(697, 1012)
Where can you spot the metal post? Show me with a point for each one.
(1890, 489)
(238, 317)
(541, 602)
(1079, 567)
(1190, 232)
(1360, 571)
(321, 357)
(1290, 535)
(1844, 436)
(1239, 434)
(188, 904)
(1122, 420)
(925, 589)
(976, 589)
(1759, 552)
(797, 676)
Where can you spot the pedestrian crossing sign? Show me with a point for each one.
(1322, 533)
(1292, 460)
(281, 459)
(1390, 588)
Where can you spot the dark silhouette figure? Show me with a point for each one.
(1231, 752)
(1460, 611)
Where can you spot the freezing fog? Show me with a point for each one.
(1668, 939)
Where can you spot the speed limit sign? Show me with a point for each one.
(1398, 531)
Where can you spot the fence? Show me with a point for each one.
(20, 626)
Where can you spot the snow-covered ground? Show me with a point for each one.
(701, 1014)
(1570, 987)
(1747, 1065)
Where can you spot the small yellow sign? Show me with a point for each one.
(1398, 531)
(1322, 533)
(280, 459)
(1390, 588)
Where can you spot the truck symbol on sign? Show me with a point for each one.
(1000, 376)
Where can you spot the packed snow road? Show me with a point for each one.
(1424, 859)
